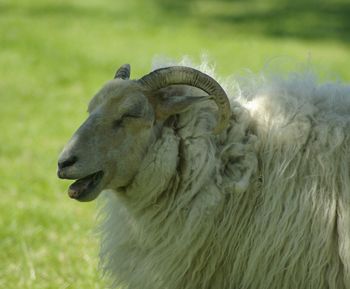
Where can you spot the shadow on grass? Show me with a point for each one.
(304, 19)
(312, 22)
(301, 19)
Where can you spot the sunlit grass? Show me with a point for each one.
(53, 56)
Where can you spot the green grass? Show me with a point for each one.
(55, 54)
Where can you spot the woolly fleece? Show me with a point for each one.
(264, 205)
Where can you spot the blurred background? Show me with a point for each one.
(55, 54)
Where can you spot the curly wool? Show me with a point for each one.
(265, 205)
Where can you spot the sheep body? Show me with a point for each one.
(265, 205)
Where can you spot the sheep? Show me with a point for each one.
(208, 191)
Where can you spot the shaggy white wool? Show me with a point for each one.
(265, 205)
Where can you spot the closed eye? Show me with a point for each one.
(119, 122)
(130, 115)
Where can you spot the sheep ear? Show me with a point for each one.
(123, 72)
(175, 104)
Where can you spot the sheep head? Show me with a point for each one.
(124, 117)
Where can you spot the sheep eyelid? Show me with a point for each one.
(118, 122)
(127, 115)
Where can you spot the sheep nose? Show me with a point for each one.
(67, 162)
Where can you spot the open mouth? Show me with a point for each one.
(83, 188)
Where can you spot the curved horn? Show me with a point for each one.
(163, 77)
(123, 72)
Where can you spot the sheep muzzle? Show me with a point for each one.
(81, 188)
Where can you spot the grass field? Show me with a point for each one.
(55, 54)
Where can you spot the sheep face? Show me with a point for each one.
(104, 153)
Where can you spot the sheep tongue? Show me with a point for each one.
(79, 187)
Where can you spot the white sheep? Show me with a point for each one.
(204, 195)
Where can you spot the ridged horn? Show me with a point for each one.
(123, 72)
(164, 77)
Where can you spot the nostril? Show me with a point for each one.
(68, 162)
